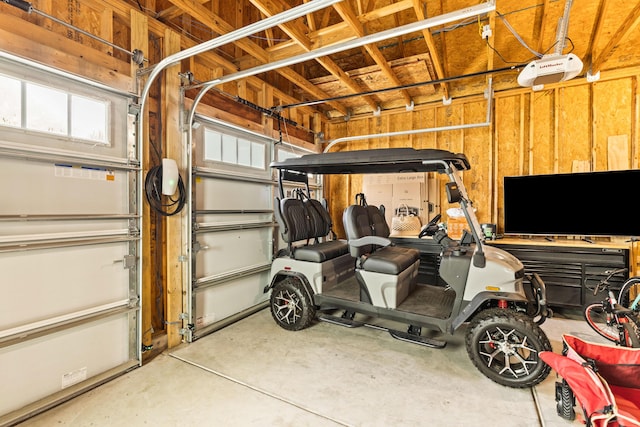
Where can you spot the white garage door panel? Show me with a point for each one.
(35, 187)
(224, 194)
(226, 299)
(49, 283)
(225, 251)
(40, 367)
(234, 219)
(70, 236)
(29, 230)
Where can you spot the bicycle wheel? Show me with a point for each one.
(631, 333)
(624, 295)
(601, 322)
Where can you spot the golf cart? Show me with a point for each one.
(367, 275)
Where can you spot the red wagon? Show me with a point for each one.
(603, 379)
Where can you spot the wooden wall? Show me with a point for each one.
(570, 127)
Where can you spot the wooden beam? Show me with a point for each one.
(175, 226)
(311, 21)
(384, 11)
(58, 51)
(309, 87)
(347, 14)
(219, 25)
(627, 25)
(597, 32)
(433, 50)
(327, 35)
(172, 12)
(544, 17)
(294, 29)
(298, 34)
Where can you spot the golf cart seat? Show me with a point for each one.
(393, 269)
(306, 222)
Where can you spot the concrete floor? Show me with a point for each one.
(253, 373)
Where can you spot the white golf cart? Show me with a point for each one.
(369, 275)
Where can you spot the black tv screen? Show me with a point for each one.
(581, 204)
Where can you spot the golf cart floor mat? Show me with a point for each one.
(429, 300)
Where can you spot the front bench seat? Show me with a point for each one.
(368, 241)
(386, 274)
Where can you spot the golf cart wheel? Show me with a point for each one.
(291, 306)
(565, 401)
(504, 345)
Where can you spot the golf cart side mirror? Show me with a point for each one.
(479, 260)
(453, 192)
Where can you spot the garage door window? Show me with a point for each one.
(10, 102)
(233, 150)
(54, 111)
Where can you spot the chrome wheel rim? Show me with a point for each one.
(507, 352)
(286, 307)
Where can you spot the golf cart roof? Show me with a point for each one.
(385, 160)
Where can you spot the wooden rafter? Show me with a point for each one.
(173, 12)
(350, 17)
(431, 46)
(311, 21)
(294, 29)
(491, 42)
(297, 32)
(327, 34)
(627, 25)
(217, 24)
(542, 26)
(597, 31)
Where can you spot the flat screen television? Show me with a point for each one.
(581, 204)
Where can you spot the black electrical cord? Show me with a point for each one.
(153, 191)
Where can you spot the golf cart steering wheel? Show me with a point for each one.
(430, 228)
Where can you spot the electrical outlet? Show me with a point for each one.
(486, 32)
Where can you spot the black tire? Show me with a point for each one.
(596, 318)
(631, 333)
(504, 346)
(565, 401)
(291, 306)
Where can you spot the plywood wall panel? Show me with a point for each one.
(477, 147)
(613, 115)
(540, 158)
(574, 127)
(424, 119)
(507, 135)
(508, 144)
(449, 115)
(400, 122)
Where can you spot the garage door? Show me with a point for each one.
(233, 230)
(69, 240)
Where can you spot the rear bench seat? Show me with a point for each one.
(307, 221)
